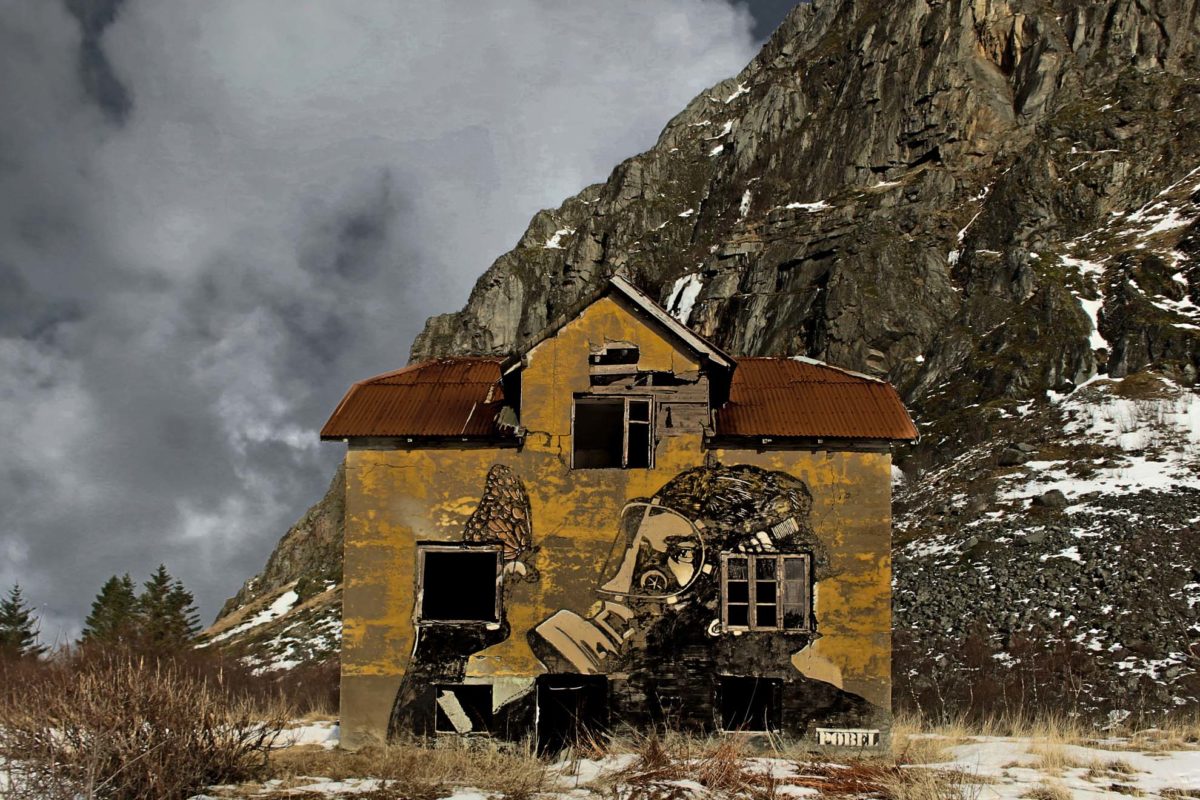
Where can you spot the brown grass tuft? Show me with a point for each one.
(419, 771)
(1048, 791)
(113, 726)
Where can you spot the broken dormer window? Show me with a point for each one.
(613, 362)
(615, 354)
(762, 592)
(613, 433)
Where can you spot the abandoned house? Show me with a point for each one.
(621, 525)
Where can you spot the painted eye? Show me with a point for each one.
(683, 555)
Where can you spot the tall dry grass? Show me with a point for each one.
(416, 770)
(112, 725)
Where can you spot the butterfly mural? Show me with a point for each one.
(503, 517)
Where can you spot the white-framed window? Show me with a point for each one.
(458, 583)
(766, 592)
(612, 432)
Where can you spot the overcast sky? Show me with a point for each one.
(214, 216)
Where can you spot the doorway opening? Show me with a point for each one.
(570, 709)
(749, 704)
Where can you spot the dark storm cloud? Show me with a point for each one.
(768, 14)
(215, 216)
(95, 71)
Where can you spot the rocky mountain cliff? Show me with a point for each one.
(995, 204)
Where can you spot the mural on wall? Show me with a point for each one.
(500, 527)
(712, 576)
(706, 597)
(503, 517)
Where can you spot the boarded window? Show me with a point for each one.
(458, 584)
(749, 704)
(613, 433)
(766, 592)
(462, 708)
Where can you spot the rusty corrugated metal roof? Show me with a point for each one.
(790, 397)
(444, 397)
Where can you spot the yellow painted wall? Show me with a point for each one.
(395, 497)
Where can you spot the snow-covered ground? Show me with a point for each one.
(282, 605)
(978, 768)
(1152, 442)
(1015, 768)
(323, 733)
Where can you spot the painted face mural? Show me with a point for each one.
(657, 555)
(668, 555)
(706, 599)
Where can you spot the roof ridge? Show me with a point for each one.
(818, 363)
(639, 298)
(685, 332)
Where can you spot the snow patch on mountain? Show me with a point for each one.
(683, 297)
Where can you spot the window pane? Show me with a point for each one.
(766, 617)
(639, 410)
(737, 569)
(795, 593)
(599, 433)
(765, 592)
(459, 586)
(639, 446)
(738, 615)
(764, 568)
(737, 592)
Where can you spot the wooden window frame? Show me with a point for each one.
(626, 399)
(751, 560)
(443, 547)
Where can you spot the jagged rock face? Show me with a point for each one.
(888, 187)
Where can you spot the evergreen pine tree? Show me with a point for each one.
(114, 617)
(183, 607)
(18, 632)
(167, 612)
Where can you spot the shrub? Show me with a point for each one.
(110, 725)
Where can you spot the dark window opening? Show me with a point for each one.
(639, 446)
(749, 704)
(570, 709)
(599, 429)
(462, 708)
(459, 584)
(622, 353)
(766, 592)
(613, 433)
